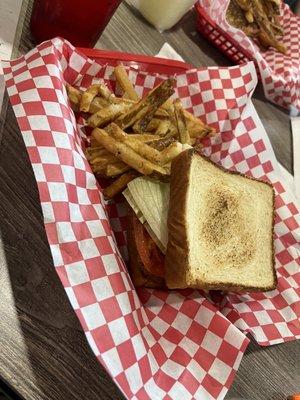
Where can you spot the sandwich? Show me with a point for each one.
(192, 223)
(220, 231)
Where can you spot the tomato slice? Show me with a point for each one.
(151, 256)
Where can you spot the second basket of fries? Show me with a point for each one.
(263, 31)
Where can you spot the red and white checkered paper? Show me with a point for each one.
(280, 73)
(155, 344)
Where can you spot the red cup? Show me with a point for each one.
(80, 22)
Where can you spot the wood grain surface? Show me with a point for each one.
(43, 351)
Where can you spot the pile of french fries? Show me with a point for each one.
(133, 136)
(258, 19)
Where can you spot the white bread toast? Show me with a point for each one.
(220, 227)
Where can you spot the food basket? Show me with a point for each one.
(279, 73)
(154, 344)
(220, 39)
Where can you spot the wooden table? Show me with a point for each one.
(43, 351)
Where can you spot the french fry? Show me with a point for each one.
(268, 40)
(168, 106)
(125, 83)
(74, 96)
(163, 127)
(126, 154)
(249, 16)
(110, 170)
(159, 116)
(170, 152)
(146, 108)
(161, 113)
(139, 147)
(125, 96)
(162, 143)
(104, 159)
(173, 132)
(90, 94)
(244, 4)
(160, 94)
(97, 104)
(93, 152)
(106, 115)
(181, 123)
(160, 121)
(196, 128)
(93, 142)
(116, 169)
(99, 169)
(191, 118)
(122, 100)
(145, 150)
(199, 132)
(100, 102)
(100, 165)
(144, 137)
(109, 165)
(152, 126)
(118, 185)
(104, 92)
(251, 30)
(87, 97)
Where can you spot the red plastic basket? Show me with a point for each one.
(143, 62)
(220, 39)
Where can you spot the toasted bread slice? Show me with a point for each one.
(220, 227)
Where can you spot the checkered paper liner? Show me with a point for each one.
(155, 344)
(280, 73)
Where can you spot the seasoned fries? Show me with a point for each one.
(116, 169)
(144, 110)
(118, 185)
(125, 83)
(181, 123)
(162, 143)
(104, 92)
(151, 103)
(139, 147)
(144, 137)
(196, 128)
(127, 154)
(134, 136)
(74, 96)
(106, 115)
(163, 127)
(258, 19)
(170, 152)
(87, 97)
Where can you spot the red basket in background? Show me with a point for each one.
(220, 39)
